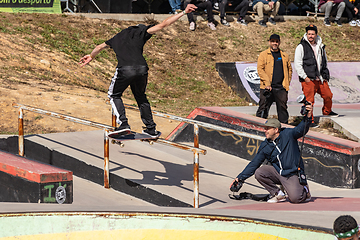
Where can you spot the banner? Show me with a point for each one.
(30, 6)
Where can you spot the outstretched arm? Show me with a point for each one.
(170, 20)
(87, 58)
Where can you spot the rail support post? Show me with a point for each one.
(113, 118)
(196, 167)
(21, 132)
(106, 159)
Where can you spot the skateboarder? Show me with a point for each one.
(132, 70)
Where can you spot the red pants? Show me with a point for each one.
(312, 87)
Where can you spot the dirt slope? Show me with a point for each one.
(39, 55)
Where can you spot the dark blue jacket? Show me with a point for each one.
(283, 153)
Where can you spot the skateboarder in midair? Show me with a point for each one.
(132, 70)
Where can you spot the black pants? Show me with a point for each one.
(136, 77)
(201, 6)
(280, 97)
(351, 13)
(238, 5)
(268, 177)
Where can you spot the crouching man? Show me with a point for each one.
(282, 151)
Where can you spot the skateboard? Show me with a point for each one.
(315, 15)
(119, 139)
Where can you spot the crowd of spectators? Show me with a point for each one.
(338, 8)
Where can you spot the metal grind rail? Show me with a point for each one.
(196, 150)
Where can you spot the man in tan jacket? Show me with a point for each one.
(274, 69)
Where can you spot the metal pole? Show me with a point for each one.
(106, 159)
(21, 132)
(113, 118)
(196, 167)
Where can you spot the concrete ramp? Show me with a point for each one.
(243, 78)
(150, 226)
(328, 160)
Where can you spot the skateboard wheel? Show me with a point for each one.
(151, 142)
(113, 141)
(122, 145)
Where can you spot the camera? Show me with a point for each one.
(235, 187)
(267, 93)
(302, 178)
(302, 99)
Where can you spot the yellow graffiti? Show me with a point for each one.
(237, 138)
(315, 159)
(252, 146)
(149, 234)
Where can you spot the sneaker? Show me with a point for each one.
(151, 132)
(358, 22)
(121, 130)
(241, 21)
(262, 23)
(211, 25)
(314, 125)
(277, 198)
(192, 26)
(352, 23)
(327, 22)
(338, 22)
(333, 114)
(272, 21)
(216, 6)
(224, 22)
(308, 197)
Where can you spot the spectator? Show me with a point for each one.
(261, 6)
(352, 11)
(175, 6)
(282, 151)
(327, 6)
(242, 6)
(132, 70)
(346, 228)
(201, 5)
(311, 65)
(274, 69)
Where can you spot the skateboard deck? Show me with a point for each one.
(132, 136)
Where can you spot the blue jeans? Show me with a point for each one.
(175, 5)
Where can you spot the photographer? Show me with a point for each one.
(282, 151)
(275, 71)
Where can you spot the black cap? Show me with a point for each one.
(274, 36)
(311, 27)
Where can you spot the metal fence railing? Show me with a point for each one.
(195, 149)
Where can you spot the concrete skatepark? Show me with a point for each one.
(169, 171)
(161, 170)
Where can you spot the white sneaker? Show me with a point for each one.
(192, 26)
(352, 23)
(308, 197)
(280, 197)
(211, 26)
(358, 22)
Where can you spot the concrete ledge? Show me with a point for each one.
(24, 180)
(328, 160)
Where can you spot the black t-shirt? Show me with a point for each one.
(278, 72)
(128, 45)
